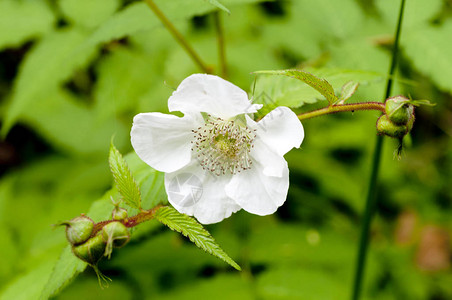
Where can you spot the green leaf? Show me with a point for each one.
(29, 285)
(64, 270)
(347, 91)
(219, 5)
(46, 66)
(321, 85)
(285, 91)
(61, 118)
(23, 20)
(88, 13)
(124, 180)
(429, 49)
(137, 17)
(190, 228)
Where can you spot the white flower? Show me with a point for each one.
(218, 160)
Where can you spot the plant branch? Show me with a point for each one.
(220, 44)
(342, 108)
(371, 198)
(178, 36)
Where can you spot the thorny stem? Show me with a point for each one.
(143, 216)
(221, 44)
(342, 108)
(178, 36)
(371, 194)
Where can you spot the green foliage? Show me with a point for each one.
(275, 91)
(68, 86)
(347, 91)
(190, 228)
(28, 19)
(42, 72)
(219, 5)
(321, 85)
(127, 187)
(428, 50)
(88, 13)
(63, 272)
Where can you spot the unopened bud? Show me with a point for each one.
(92, 250)
(79, 229)
(399, 110)
(119, 214)
(386, 127)
(115, 234)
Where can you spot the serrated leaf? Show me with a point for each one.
(321, 85)
(190, 228)
(124, 180)
(64, 270)
(22, 20)
(285, 91)
(46, 66)
(219, 5)
(347, 91)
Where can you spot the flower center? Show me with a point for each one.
(223, 146)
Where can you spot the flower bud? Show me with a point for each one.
(91, 251)
(399, 110)
(386, 127)
(119, 214)
(115, 233)
(79, 229)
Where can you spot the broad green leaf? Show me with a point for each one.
(64, 270)
(88, 13)
(273, 91)
(29, 285)
(190, 228)
(23, 20)
(416, 12)
(429, 50)
(46, 66)
(138, 17)
(124, 180)
(124, 77)
(321, 85)
(331, 19)
(68, 125)
(347, 91)
(219, 5)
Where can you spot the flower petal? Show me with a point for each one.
(199, 193)
(210, 94)
(257, 193)
(163, 141)
(272, 163)
(280, 130)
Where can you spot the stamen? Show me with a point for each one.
(223, 146)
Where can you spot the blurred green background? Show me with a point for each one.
(73, 73)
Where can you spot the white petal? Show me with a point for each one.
(272, 163)
(210, 94)
(163, 141)
(280, 129)
(257, 193)
(199, 193)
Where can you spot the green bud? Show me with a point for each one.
(91, 251)
(399, 110)
(119, 214)
(386, 127)
(115, 234)
(79, 229)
